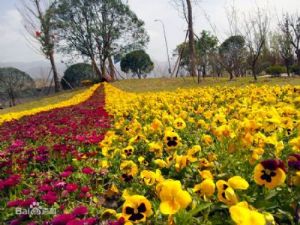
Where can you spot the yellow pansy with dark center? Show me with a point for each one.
(138, 215)
(226, 191)
(179, 124)
(129, 170)
(171, 139)
(136, 208)
(270, 173)
(128, 151)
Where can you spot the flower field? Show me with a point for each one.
(206, 155)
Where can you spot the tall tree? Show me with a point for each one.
(38, 16)
(206, 45)
(187, 10)
(255, 33)
(232, 55)
(285, 43)
(191, 38)
(294, 23)
(99, 29)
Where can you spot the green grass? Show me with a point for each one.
(171, 84)
(43, 101)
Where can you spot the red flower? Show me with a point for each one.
(71, 187)
(85, 189)
(50, 198)
(66, 174)
(38, 34)
(62, 219)
(88, 170)
(80, 211)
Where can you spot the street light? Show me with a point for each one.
(167, 48)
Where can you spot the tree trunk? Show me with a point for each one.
(112, 72)
(55, 74)
(298, 56)
(103, 70)
(204, 71)
(231, 76)
(98, 72)
(12, 99)
(253, 68)
(287, 66)
(191, 39)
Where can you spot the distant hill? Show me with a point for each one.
(37, 69)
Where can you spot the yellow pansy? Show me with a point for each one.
(136, 209)
(241, 214)
(172, 197)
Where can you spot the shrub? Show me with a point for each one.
(77, 73)
(296, 69)
(275, 70)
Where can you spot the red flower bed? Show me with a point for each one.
(39, 158)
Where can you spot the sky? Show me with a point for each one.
(208, 14)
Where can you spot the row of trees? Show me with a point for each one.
(252, 46)
(97, 30)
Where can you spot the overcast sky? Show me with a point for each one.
(13, 46)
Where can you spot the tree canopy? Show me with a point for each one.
(138, 62)
(99, 29)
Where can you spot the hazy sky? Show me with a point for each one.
(13, 46)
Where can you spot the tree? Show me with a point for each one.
(206, 45)
(138, 62)
(255, 33)
(38, 16)
(232, 54)
(77, 73)
(13, 81)
(99, 29)
(187, 10)
(294, 23)
(285, 41)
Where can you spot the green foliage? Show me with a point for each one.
(296, 69)
(205, 46)
(99, 29)
(276, 70)
(138, 62)
(232, 44)
(232, 55)
(77, 73)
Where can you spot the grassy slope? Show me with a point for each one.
(55, 98)
(168, 84)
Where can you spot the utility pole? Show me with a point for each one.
(167, 48)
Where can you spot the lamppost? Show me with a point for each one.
(167, 48)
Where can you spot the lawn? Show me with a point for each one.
(170, 84)
(44, 101)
